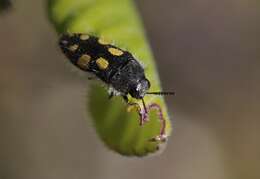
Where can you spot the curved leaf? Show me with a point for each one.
(117, 21)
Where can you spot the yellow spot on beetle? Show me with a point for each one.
(83, 61)
(103, 41)
(115, 51)
(73, 48)
(84, 37)
(102, 63)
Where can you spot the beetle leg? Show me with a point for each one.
(125, 99)
(142, 118)
(111, 94)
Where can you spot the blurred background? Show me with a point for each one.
(207, 51)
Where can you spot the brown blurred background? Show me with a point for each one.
(208, 51)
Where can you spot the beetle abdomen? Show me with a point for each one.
(93, 54)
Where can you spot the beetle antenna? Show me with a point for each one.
(161, 93)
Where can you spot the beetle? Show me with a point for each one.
(116, 67)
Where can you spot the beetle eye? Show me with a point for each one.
(145, 84)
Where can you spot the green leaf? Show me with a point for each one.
(117, 21)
